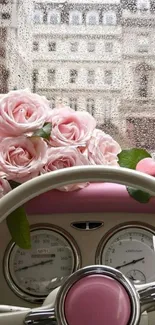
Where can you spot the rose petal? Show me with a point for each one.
(70, 127)
(22, 112)
(65, 157)
(22, 158)
(146, 165)
(102, 149)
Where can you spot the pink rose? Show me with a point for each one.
(70, 127)
(146, 165)
(102, 149)
(22, 112)
(4, 187)
(22, 158)
(64, 157)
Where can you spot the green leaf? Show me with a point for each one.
(139, 195)
(19, 228)
(130, 158)
(44, 132)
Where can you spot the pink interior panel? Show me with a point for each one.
(102, 197)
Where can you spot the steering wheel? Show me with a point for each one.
(95, 294)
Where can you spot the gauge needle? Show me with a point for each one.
(132, 262)
(132, 278)
(33, 265)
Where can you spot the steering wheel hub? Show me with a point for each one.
(97, 299)
(99, 295)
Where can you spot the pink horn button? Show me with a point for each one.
(97, 300)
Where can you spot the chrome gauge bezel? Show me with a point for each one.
(6, 261)
(104, 240)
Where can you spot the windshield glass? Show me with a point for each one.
(94, 55)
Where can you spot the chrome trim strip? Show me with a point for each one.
(41, 317)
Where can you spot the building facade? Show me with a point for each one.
(7, 23)
(98, 56)
(77, 55)
(138, 61)
(15, 49)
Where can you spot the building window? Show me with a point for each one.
(91, 77)
(73, 76)
(142, 72)
(143, 4)
(52, 46)
(108, 47)
(107, 110)
(143, 44)
(2, 52)
(73, 103)
(92, 18)
(38, 17)
(6, 15)
(91, 47)
(4, 2)
(90, 106)
(51, 75)
(143, 85)
(54, 17)
(4, 73)
(74, 46)
(3, 34)
(109, 18)
(35, 46)
(75, 18)
(35, 75)
(108, 77)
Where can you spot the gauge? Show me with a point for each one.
(131, 250)
(136, 276)
(34, 273)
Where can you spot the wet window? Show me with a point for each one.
(93, 55)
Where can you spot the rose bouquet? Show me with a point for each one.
(35, 139)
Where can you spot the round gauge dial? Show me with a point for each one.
(36, 272)
(131, 250)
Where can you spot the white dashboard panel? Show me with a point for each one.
(87, 242)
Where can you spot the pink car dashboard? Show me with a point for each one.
(101, 197)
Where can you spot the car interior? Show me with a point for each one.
(77, 77)
(94, 235)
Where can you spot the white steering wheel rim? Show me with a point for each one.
(59, 178)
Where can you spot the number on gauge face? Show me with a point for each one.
(131, 250)
(42, 268)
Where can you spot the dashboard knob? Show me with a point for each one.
(97, 299)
